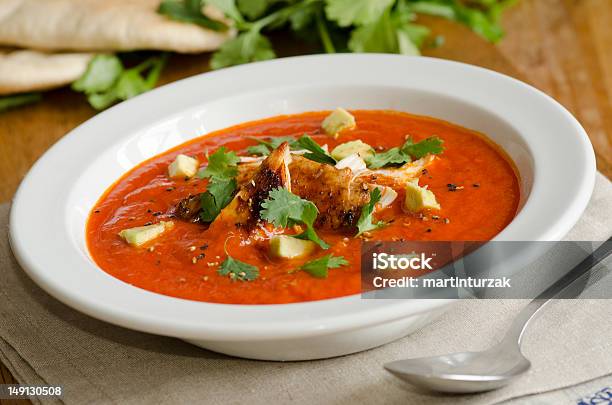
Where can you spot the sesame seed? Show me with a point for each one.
(192, 248)
(446, 221)
(205, 278)
(345, 239)
(194, 260)
(151, 248)
(182, 280)
(435, 217)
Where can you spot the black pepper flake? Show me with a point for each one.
(424, 172)
(476, 185)
(200, 256)
(158, 262)
(204, 246)
(96, 211)
(453, 187)
(428, 230)
(156, 214)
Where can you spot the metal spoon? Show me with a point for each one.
(470, 372)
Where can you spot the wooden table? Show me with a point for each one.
(559, 46)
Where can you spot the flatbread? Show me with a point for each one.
(100, 25)
(23, 71)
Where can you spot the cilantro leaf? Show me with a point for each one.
(228, 7)
(365, 223)
(106, 81)
(284, 209)
(237, 270)
(189, 11)
(377, 36)
(417, 150)
(316, 152)
(405, 154)
(390, 157)
(253, 8)
(355, 12)
(102, 72)
(250, 46)
(221, 165)
(17, 100)
(266, 146)
(261, 150)
(218, 194)
(319, 268)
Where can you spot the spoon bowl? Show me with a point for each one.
(463, 372)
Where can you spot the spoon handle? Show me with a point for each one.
(520, 323)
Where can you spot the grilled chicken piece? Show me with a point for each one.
(273, 172)
(336, 194)
(188, 209)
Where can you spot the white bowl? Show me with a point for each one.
(48, 216)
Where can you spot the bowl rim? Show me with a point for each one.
(150, 312)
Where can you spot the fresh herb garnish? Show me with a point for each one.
(18, 100)
(222, 165)
(106, 81)
(260, 150)
(365, 223)
(237, 270)
(338, 25)
(284, 209)
(218, 194)
(315, 152)
(221, 172)
(404, 154)
(264, 146)
(431, 145)
(189, 11)
(319, 268)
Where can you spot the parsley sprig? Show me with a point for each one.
(319, 268)
(365, 223)
(221, 172)
(284, 209)
(404, 154)
(338, 25)
(106, 81)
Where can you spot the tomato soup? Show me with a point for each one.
(474, 183)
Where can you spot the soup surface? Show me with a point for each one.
(473, 181)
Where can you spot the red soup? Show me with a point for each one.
(219, 245)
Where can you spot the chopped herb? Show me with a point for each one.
(218, 194)
(260, 150)
(365, 224)
(189, 11)
(315, 152)
(319, 268)
(404, 154)
(391, 157)
(18, 100)
(221, 165)
(452, 187)
(431, 145)
(237, 270)
(106, 81)
(221, 172)
(284, 209)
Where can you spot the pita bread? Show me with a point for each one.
(22, 71)
(100, 25)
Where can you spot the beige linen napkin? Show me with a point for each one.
(44, 342)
